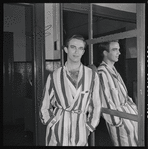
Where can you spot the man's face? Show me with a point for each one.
(75, 50)
(113, 54)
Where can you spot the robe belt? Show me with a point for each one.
(123, 104)
(73, 111)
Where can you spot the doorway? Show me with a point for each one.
(16, 86)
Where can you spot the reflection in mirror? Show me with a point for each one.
(111, 22)
(127, 63)
(118, 89)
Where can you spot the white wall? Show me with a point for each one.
(52, 31)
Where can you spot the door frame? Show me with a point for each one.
(38, 55)
(38, 66)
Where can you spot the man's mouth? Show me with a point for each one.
(75, 55)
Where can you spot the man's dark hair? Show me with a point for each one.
(104, 46)
(79, 37)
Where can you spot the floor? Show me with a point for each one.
(102, 137)
(16, 136)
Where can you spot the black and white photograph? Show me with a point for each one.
(74, 74)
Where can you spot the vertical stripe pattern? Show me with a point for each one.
(67, 123)
(113, 94)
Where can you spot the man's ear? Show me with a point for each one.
(105, 53)
(65, 49)
(83, 52)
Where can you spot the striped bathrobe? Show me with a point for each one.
(113, 92)
(76, 111)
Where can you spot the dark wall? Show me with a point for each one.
(131, 73)
(21, 88)
(7, 77)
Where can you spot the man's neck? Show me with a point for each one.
(111, 64)
(73, 66)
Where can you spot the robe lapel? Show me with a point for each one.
(114, 72)
(116, 75)
(72, 92)
(121, 80)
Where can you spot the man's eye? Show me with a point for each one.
(114, 49)
(72, 46)
(81, 48)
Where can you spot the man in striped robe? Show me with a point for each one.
(71, 105)
(113, 92)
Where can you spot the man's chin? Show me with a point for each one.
(76, 60)
(117, 60)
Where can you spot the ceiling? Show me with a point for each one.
(129, 7)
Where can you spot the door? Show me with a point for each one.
(7, 77)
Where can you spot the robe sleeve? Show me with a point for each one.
(46, 108)
(107, 94)
(130, 100)
(132, 104)
(94, 111)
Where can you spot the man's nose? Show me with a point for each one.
(76, 50)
